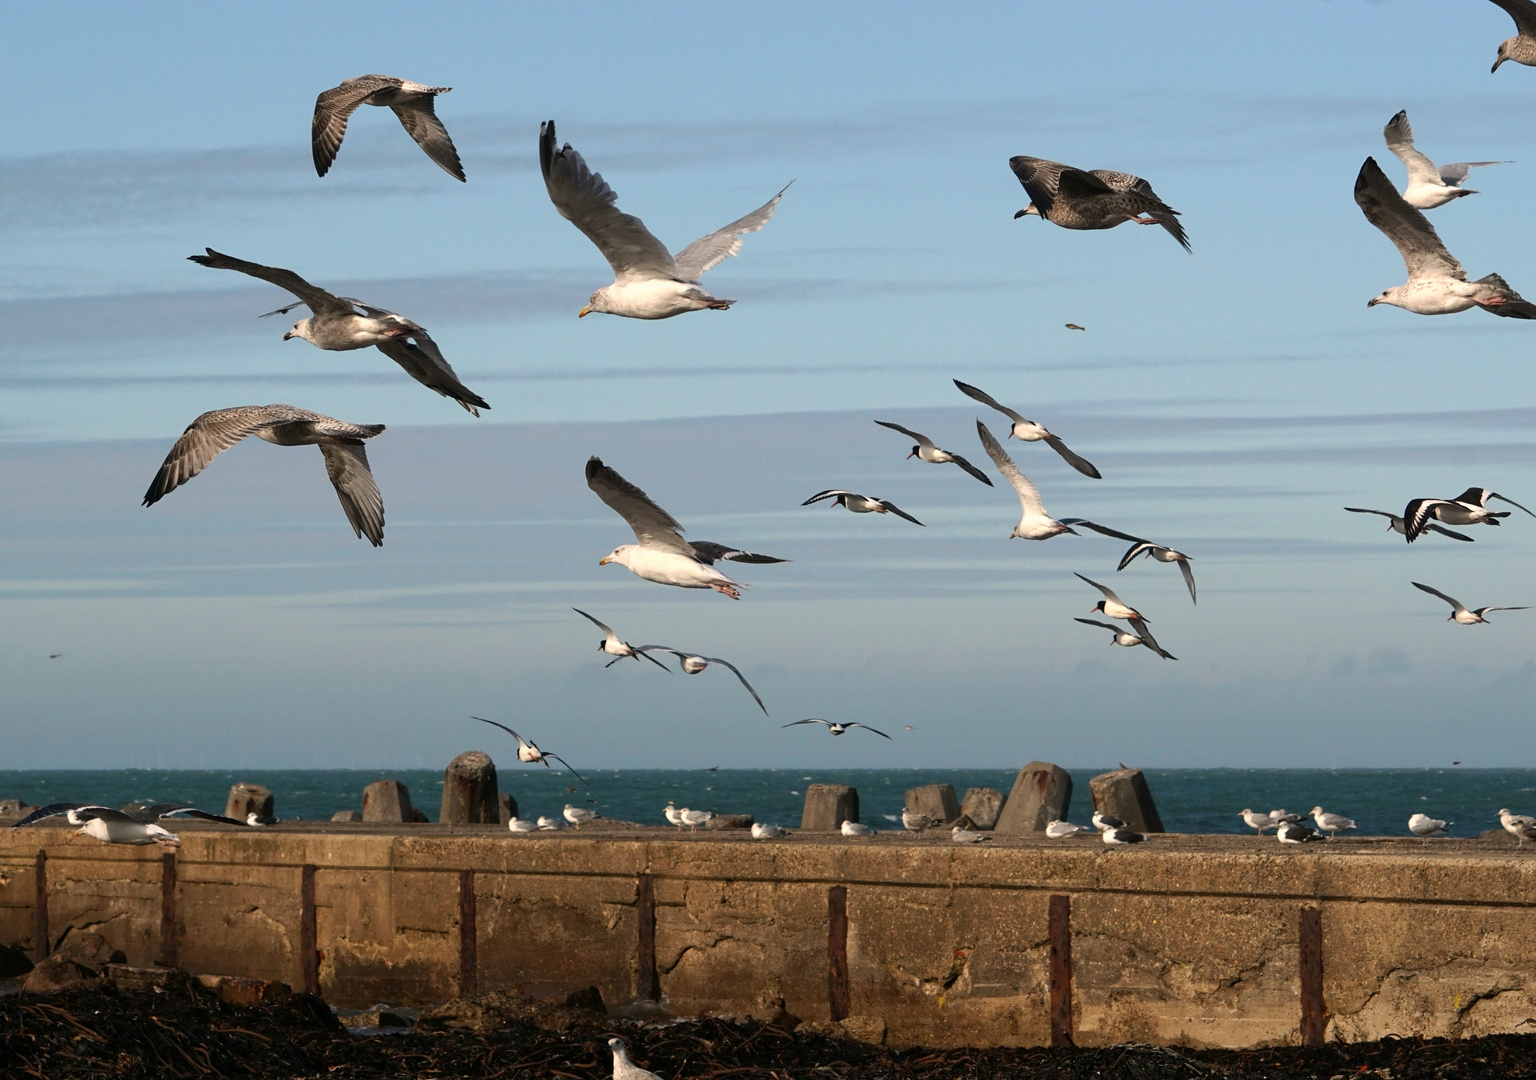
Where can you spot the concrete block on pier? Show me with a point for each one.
(983, 805)
(827, 806)
(729, 821)
(247, 799)
(506, 806)
(346, 815)
(1041, 793)
(1123, 793)
(469, 790)
(936, 800)
(388, 800)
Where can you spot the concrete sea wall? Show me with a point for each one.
(1194, 940)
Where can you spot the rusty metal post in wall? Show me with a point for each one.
(469, 955)
(1314, 1016)
(1059, 929)
(168, 942)
(40, 910)
(647, 981)
(309, 952)
(837, 951)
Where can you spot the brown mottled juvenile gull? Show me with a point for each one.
(1437, 284)
(648, 283)
(336, 325)
(1522, 47)
(1429, 185)
(411, 102)
(346, 461)
(1097, 199)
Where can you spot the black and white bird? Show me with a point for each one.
(528, 752)
(1096, 199)
(1460, 613)
(1424, 826)
(925, 450)
(1282, 816)
(648, 283)
(623, 1068)
(1137, 635)
(1259, 822)
(1468, 508)
(1522, 47)
(1294, 832)
(1395, 524)
(1112, 605)
(1139, 547)
(615, 648)
(1429, 185)
(1330, 823)
(693, 664)
(340, 443)
(1029, 430)
(661, 554)
(337, 325)
(1120, 836)
(1034, 522)
(137, 826)
(411, 102)
(1103, 821)
(860, 504)
(837, 729)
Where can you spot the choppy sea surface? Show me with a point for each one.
(1189, 800)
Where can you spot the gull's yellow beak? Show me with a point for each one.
(605, 560)
(584, 312)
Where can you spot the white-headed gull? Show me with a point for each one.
(648, 283)
(615, 648)
(1396, 524)
(522, 825)
(623, 1068)
(1063, 830)
(531, 754)
(1257, 821)
(917, 822)
(1139, 547)
(661, 554)
(1029, 430)
(335, 324)
(1460, 613)
(110, 826)
(925, 450)
(835, 728)
(1137, 635)
(854, 828)
(673, 815)
(1281, 817)
(551, 824)
(961, 835)
(1120, 836)
(860, 504)
(1103, 821)
(1522, 47)
(1437, 284)
(1293, 832)
(1034, 523)
(411, 102)
(1521, 826)
(1097, 199)
(1424, 826)
(1330, 823)
(692, 819)
(1429, 185)
(340, 443)
(761, 830)
(1468, 508)
(579, 815)
(693, 664)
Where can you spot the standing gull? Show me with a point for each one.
(579, 815)
(412, 102)
(1522, 47)
(1459, 612)
(1429, 185)
(1424, 826)
(860, 504)
(1330, 823)
(341, 443)
(1103, 821)
(111, 826)
(1120, 836)
(615, 648)
(1395, 524)
(1468, 508)
(1138, 635)
(336, 325)
(693, 664)
(1034, 523)
(528, 752)
(1029, 430)
(1100, 199)
(648, 283)
(662, 555)
(838, 729)
(1154, 552)
(1257, 821)
(1521, 826)
(925, 450)
(1437, 284)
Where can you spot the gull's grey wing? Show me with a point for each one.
(708, 551)
(1408, 229)
(1096, 622)
(807, 720)
(1040, 179)
(346, 463)
(1109, 594)
(423, 361)
(1524, 14)
(1455, 174)
(209, 436)
(899, 512)
(419, 118)
(737, 672)
(922, 440)
(866, 727)
(653, 526)
(1452, 533)
(1148, 640)
(1512, 305)
(973, 470)
(317, 300)
(1363, 510)
(1455, 603)
(1399, 136)
(520, 740)
(1029, 495)
(604, 627)
(1082, 465)
(707, 252)
(1189, 579)
(587, 202)
(988, 400)
(333, 109)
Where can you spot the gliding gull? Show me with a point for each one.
(838, 729)
(615, 648)
(693, 664)
(1395, 524)
(411, 102)
(860, 504)
(528, 752)
(111, 826)
(1029, 431)
(1468, 508)
(1429, 185)
(1141, 636)
(1459, 612)
(1034, 522)
(1101, 199)
(1154, 552)
(925, 450)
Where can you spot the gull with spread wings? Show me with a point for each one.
(1029, 431)
(346, 460)
(1396, 524)
(1468, 508)
(1100, 199)
(140, 826)
(527, 751)
(1035, 523)
(619, 650)
(693, 664)
(1141, 636)
(648, 282)
(925, 450)
(860, 504)
(1429, 185)
(336, 325)
(412, 104)
(1140, 547)
(661, 554)
(1460, 613)
(838, 729)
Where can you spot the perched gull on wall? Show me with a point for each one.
(1459, 612)
(1029, 431)
(1437, 284)
(860, 504)
(1468, 508)
(528, 752)
(1522, 47)
(1330, 823)
(1395, 524)
(579, 816)
(1429, 185)
(925, 450)
(341, 443)
(648, 282)
(761, 830)
(1063, 830)
(662, 555)
(1424, 826)
(1119, 836)
(336, 325)
(615, 648)
(111, 826)
(1293, 832)
(694, 818)
(1257, 821)
(1103, 821)
(1100, 199)
(1154, 552)
(837, 729)
(522, 825)
(961, 835)
(854, 828)
(693, 664)
(917, 822)
(411, 102)
(1034, 522)
(1137, 635)
(1521, 826)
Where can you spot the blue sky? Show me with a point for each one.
(1235, 398)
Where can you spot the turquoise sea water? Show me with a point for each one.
(1189, 800)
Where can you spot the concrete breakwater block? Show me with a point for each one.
(983, 805)
(1123, 793)
(469, 790)
(729, 821)
(347, 815)
(827, 806)
(1041, 793)
(388, 801)
(247, 799)
(936, 800)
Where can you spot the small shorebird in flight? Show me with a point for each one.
(1140, 636)
(1459, 611)
(838, 729)
(693, 664)
(1028, 430)
(1395, 524)
(1468, 508)
(1154, 552)
(1112, 605)
(925, 450)
(860, 504)
(528, 752)
(616, 648)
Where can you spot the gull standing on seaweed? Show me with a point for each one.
(1468, 508)
(693, 664)
(411, 102)
(1522, 47)
(648, 283)
(1034, 522)
(1029, 430)
(1459, 612)
(837, 729)
(616, 648)
(1396, 524)
(1100, 199)
(1154, 552)
(623, 1068)
(860, 504)
(528, 752)
(925, 450)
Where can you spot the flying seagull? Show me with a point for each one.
(1395, 524)
(693, 664)
(615, 648)
(1142, 636)
(527, 751)
(1468, 508)
(336, 325)
(1140, 547)
(837, 729)
(1437, 284)
(1429, 185)
(860, 504)
(1100, 199)
(662, 555)
(346, 460)
(111, 826)
(1034, 523)
(1459, 612)
(1522, 47)
(925, 450)
(648, 283)
(1029, 431)
(1112, 605)
(412, 103)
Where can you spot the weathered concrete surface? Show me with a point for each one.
(247, 799)
(1041, 793)
(388, 801)
(983, 805)
(827, 806)
(469, 790)
(1123, 793)
(1180, 939)
(935, 800)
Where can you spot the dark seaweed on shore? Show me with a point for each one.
(187, 1032)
